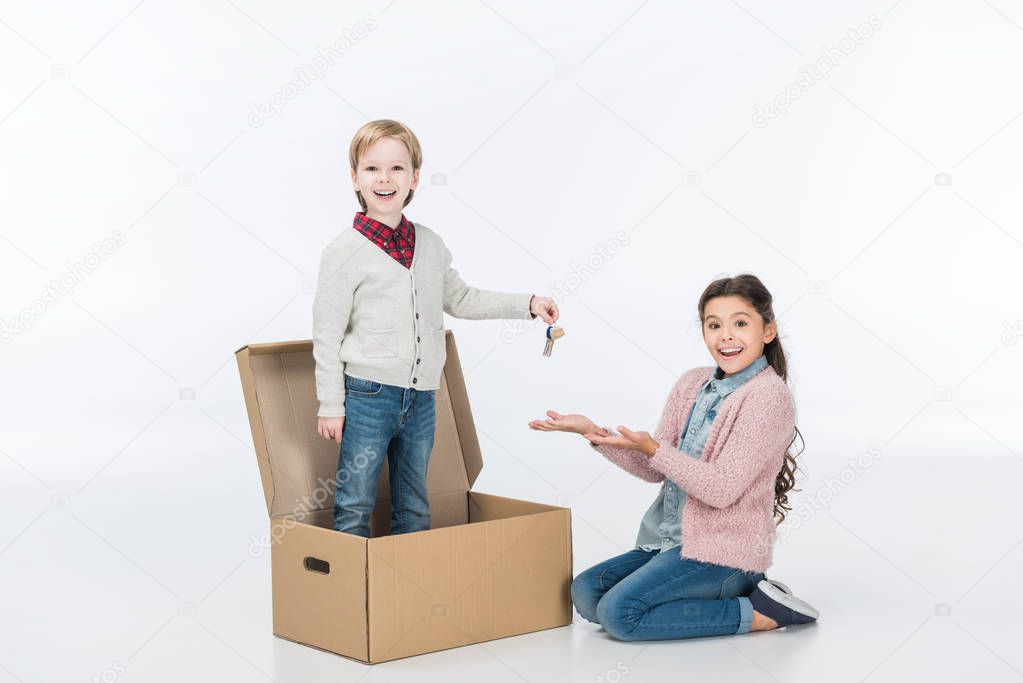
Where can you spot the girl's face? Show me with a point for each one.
(735, 333)
(384, 177)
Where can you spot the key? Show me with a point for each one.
(553, 334)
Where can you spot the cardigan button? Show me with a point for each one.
(414, 380)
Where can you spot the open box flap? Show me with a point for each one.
(298, 466)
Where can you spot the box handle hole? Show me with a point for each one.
(314, 564)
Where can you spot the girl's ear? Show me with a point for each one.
(770, 331)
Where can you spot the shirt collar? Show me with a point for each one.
(371, 226)
(727, 385)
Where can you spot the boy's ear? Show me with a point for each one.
(355, 180)
(770, 331)
(415, 179)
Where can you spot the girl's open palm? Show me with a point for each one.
(556, 422)
(626, 438)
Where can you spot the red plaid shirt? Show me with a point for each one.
(399, 243)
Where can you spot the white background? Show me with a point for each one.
(882, 210)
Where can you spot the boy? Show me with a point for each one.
(378, 333)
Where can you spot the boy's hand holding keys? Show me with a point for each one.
(548, 311)
(544, 307)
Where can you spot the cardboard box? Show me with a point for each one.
(489, 567)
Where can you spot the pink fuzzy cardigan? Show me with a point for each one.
(727, 517)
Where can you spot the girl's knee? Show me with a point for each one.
(613, 613)
(584, 598)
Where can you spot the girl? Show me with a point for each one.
(722, 456)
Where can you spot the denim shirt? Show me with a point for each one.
(661, 528)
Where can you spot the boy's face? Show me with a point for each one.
(384, 176)
(735, 333)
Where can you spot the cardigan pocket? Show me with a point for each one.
(438, 342)
(380, 343)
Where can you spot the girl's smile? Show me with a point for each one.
(731, 351)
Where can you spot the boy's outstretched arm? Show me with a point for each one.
(464, 301)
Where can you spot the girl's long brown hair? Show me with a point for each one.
(750, 288)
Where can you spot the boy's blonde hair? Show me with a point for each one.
(371, 133)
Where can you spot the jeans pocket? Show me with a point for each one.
(362, 387)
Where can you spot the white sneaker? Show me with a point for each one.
(780, 605)
(780, 585)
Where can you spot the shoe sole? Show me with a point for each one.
(792, 602)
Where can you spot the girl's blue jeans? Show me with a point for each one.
(384, 421)
(651, 595)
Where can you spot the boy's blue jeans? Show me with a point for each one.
(383, 420)
(651, 595)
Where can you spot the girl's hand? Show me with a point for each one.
(555, 422)
(330, 427)
(637, 441)
(545, 308)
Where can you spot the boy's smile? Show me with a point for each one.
(385, 177)
(735, 333)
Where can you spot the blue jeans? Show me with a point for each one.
(651, 595)
(383, 420)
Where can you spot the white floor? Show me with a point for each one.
(161, 581)
(881, 207)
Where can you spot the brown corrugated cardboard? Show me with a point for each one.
(489, 567)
